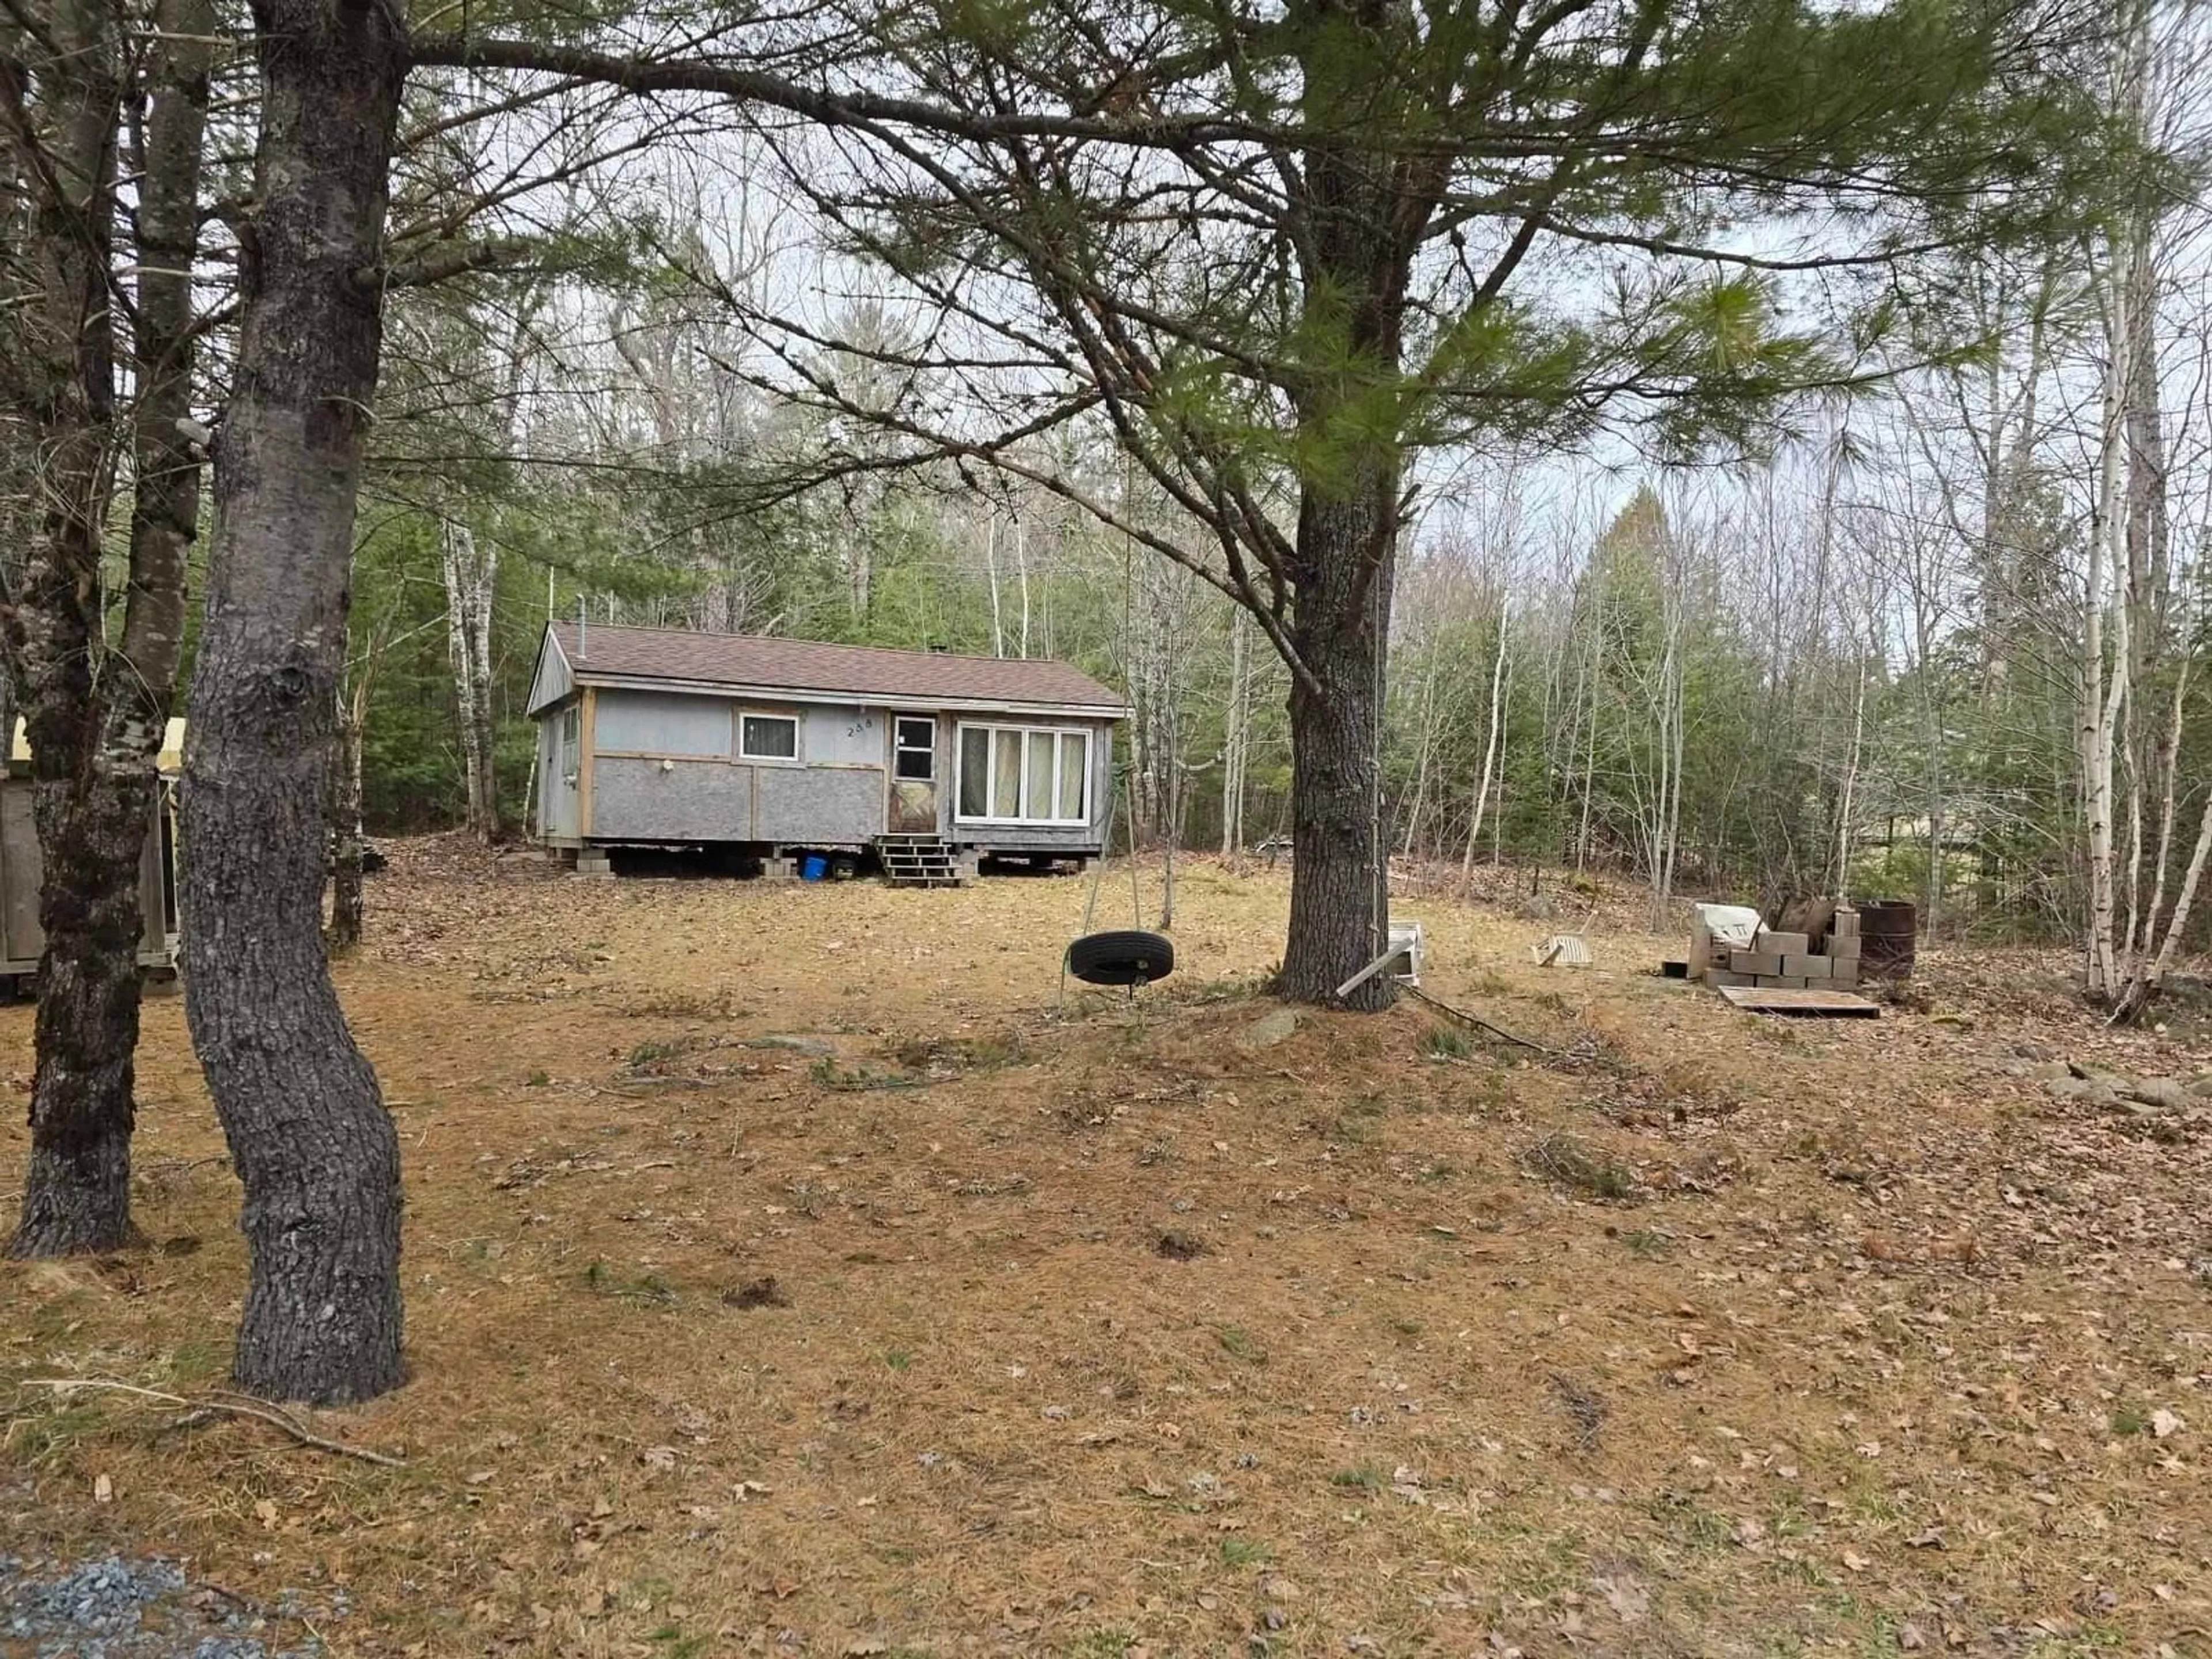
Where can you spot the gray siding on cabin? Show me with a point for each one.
(840, 735)
(634, 800)
(662, 723)
(833, 796)
(552, 681)
(809, 805)
(690, 800)
(674, 723)
(836, 795)
(558, 792)
(1031, 837)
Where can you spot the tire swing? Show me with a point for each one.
(1126, 956)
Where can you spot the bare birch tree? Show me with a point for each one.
(2137, 666)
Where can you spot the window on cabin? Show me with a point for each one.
(914, 758)
(1023, 775)
(768, 736)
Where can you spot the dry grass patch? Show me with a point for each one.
(1106, 1329)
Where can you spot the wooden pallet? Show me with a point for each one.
(1817, 1005)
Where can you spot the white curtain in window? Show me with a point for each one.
(1037, 798)
(974, 772)
(1073, 759)
(1006, 774)
(1023, 775)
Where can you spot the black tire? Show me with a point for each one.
(1128, 956)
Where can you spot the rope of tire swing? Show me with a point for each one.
(1114, 800)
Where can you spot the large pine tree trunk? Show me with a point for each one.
(308, 1129)
(1338, 914)
(1365, 211)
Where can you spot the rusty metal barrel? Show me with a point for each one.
(1888, 928)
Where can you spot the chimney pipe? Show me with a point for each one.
(583, 629)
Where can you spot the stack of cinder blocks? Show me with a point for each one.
(1781, 961)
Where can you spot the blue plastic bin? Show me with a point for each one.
(813, 868)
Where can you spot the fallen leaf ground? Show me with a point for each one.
(789, 1271)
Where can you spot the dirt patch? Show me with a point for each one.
(791, 1269)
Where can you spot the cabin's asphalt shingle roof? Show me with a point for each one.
(807, 665)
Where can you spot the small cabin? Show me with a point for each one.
(781, 749)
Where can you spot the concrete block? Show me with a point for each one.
(1808, 966)
(596, 864)
(779, 869)
(1847, 973)
(1781, 981)
(1845, 925)
(1755, 962)
(1845, 949)
(1723, 977)
(1783, 944)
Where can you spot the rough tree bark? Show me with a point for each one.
(1365, 212)
(299, 1103)
(1346, 545)
(77, 1191)
(96, 714)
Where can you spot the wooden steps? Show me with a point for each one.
(918, 861)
